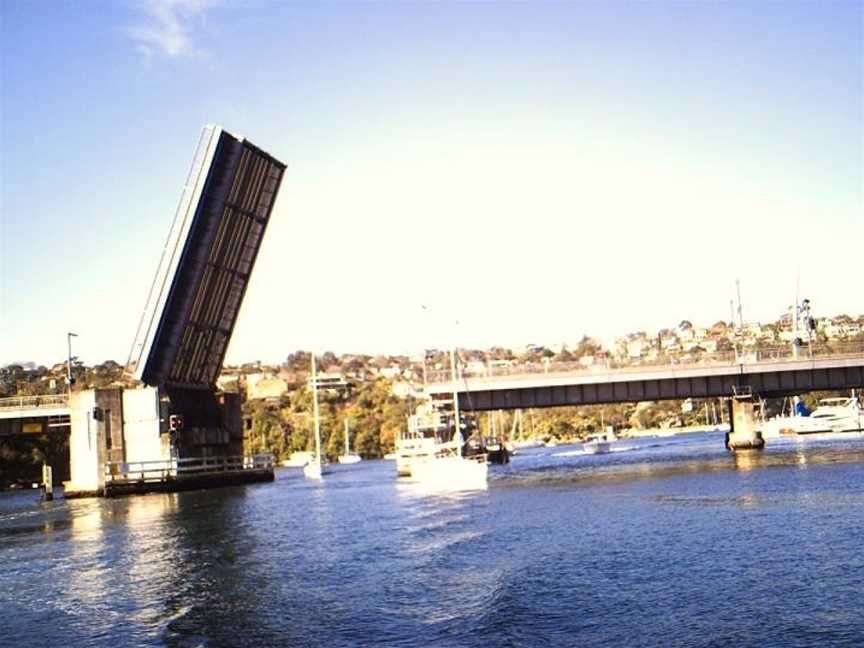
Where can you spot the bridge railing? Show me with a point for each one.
(34, 402)
(680, 361)
(120, 472)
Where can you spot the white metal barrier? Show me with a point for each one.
(34, 402)
(165, 469)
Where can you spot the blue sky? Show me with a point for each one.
(532, 170)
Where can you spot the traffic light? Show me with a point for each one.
(175, 422)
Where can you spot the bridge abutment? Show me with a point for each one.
(121, 443)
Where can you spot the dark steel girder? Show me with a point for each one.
(768, 384)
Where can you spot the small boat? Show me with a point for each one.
(349, 457)
(597, 444)
(525, 444)
(298, 459)
(496, 451)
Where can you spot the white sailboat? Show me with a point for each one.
(349, 457)
(447, 469)
(314, 469)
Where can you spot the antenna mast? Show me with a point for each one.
(740, 316)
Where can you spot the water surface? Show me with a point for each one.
(664, 542)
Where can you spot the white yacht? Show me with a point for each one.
(792, 425)
(447, 468)
(839, 414)
(832, 415)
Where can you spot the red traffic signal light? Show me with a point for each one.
(175, 422)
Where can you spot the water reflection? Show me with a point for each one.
(746, 460)
(88, 582)
(414, 490)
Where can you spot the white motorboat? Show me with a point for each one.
(832, 415)
(349, 457)
(298, 459)
(839, 414)
(525, 444)
(792, 425)
(597, 444)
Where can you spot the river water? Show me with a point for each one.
(664, 542)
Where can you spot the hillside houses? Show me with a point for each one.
(685, 342)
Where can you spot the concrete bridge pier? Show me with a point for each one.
(742, 434)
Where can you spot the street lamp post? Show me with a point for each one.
(69, 337)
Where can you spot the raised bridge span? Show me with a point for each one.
(771, 374)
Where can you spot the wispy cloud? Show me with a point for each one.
(169, 27)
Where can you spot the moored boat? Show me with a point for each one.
(297, 459)
(349, 457)
(313, 470)
(597, 444)
(839, 414)
(842, 414)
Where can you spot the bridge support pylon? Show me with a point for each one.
(743, 434)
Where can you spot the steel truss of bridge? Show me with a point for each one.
(766, 379)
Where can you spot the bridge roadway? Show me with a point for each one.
(23, 414)
(555, 385)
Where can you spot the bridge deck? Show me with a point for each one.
(556, 385)
(20, 407)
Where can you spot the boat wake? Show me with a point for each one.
(581, 453)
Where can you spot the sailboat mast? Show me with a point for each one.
(455, 399)
(796, 348)
(740, 312)
(347, 443)
(315, 410)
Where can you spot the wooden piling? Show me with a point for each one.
(47, 483)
